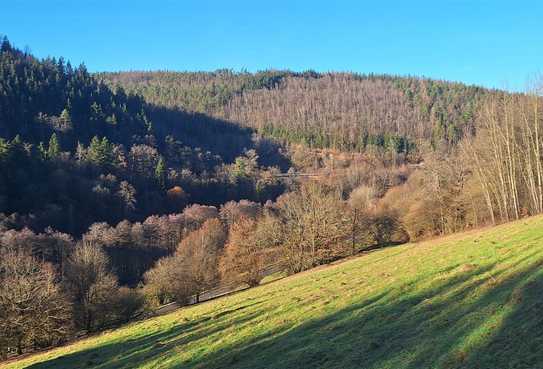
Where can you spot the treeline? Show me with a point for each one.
(311, 226)
(201, 92)
(342, 111)
(39, 97)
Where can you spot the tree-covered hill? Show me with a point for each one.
(344, 111)
(74, 151)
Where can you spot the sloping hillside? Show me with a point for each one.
(344, 111)
(472, 300)
(68, 142)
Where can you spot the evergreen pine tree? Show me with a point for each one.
(93, 153)
(42, 151)
(4, 149)
(53, 150)
(100, 152)
(65, 119)
(80, 152)
(160, 172)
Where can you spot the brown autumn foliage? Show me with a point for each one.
(441, 197)
(193, 268)
(252, 247)
(195, 215)
(373, 223)
(233, 211)
(198, 254)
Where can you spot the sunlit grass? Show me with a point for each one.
(472, 300)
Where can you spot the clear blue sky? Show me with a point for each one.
(493, 43)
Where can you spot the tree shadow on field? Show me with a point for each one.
(473, 320)
(463, 316)
(132, 353)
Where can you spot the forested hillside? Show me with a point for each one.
(73, 151)
(96, 185)
(343, 111)
(120, 192)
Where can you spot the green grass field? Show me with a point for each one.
(472, 300)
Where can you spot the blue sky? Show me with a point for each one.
(492, 43)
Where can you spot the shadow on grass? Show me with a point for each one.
(443, 327)
(136, 352)
(466, 316)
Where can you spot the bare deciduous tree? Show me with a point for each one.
(167, 281)
(314, 226)
(33, 310)
(506, 155)
(90, 285)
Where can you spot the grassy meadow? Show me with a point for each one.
(471, 300)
